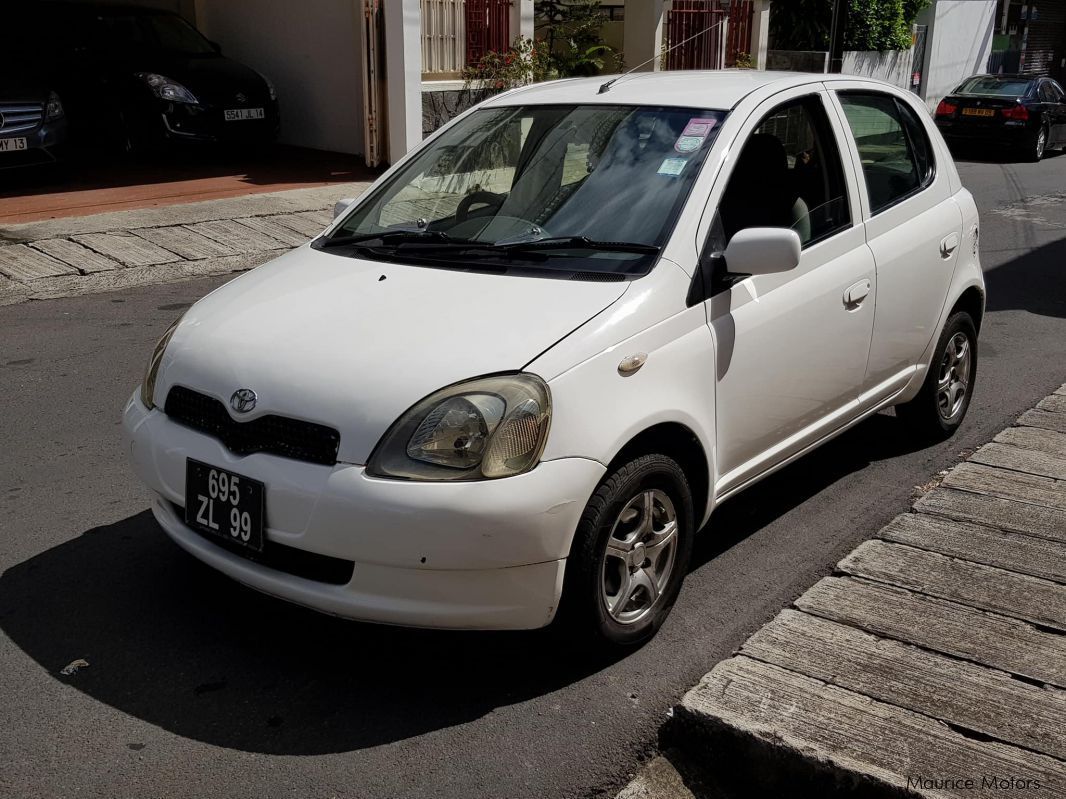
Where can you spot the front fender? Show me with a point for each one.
(597, 410)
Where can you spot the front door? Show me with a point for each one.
(791, 348)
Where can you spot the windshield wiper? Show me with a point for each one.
(579, 243)
(398, 236)
(466, 248)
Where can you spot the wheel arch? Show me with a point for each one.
(679, 442)
(972, 301)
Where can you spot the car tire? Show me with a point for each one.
(939, 408)
(1037, 144)
(634, 538)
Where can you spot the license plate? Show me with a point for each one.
(223, 504)
(237, 114)
(978, 112)
(11, 145)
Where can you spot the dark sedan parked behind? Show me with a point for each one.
(136, 77)
(1025, 112)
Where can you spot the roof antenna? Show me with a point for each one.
(607, 86)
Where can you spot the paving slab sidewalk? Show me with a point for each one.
(931, 663)
(115, 250)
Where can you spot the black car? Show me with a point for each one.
(136, 77)
(33, 124)
(1022, 111)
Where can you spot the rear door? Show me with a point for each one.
(913, 227)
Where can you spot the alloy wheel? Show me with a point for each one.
(954, 378)
(638, 561)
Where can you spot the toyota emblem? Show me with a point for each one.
(243, 400)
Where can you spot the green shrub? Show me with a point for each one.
(871, 24)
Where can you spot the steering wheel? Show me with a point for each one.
(486, 198)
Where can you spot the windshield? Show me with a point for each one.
(565, 182)
(1003, 87)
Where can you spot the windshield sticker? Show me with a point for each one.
(691, 138)
(672, 166)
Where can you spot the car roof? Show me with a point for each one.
(717, 88)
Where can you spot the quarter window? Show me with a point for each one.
(897, 159)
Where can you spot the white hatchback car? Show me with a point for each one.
(513, 380)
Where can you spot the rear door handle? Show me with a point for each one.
(856, 293)
(948, 244)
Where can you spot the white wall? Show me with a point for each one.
(310, 50)
(893, 66)
(959, 43)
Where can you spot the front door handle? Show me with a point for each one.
(856, 293)
(948, 244)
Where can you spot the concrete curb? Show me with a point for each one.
(932, 663)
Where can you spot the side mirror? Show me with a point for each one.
(762, 251)
(341, 206)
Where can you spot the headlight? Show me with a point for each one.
(166, 89)
(53, 109)
(482, 429)
(148, 386)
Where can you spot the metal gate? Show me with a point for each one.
(738, 38)
(488, 25)
(372, 39)
(707, 34)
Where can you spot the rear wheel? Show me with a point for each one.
(1037, 144)
(630, 554)
(941, 405)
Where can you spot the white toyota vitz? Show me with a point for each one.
(508, 385)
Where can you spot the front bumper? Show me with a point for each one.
(207, 123)
(45, 144)
(478, 555)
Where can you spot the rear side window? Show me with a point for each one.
(893, 146)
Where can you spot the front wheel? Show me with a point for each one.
(630, 553)
(941, 405)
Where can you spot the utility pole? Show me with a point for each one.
(836, 36)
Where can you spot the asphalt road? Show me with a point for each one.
(199, 687)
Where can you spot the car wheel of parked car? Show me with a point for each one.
(630, 553)
(1038, 144)
(941, 405)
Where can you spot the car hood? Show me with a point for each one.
(353, 344)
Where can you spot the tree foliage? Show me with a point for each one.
(572, 31)
(871, 24)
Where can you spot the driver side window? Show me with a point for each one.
(789, 175)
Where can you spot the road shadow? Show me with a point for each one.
(1034, 282)
(174, 643)
(878, 438)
